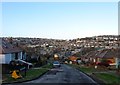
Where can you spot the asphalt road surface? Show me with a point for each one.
(60, 76)
(64, 74)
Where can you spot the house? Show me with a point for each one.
(10, 51)
(110, 55)
(73, 59)
(107, 54)
(89, 58)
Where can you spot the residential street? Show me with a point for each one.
(64, 74)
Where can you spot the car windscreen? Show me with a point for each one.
(56, 62)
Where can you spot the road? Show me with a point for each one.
(64, 74)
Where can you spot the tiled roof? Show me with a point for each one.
(7, 47)
(108, 53)
(91, 54)
(101, 54)
(117, 53)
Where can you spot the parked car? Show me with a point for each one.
(56, 64)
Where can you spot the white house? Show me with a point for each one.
(9, 52)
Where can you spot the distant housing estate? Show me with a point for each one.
(105, 41)
(64, 47)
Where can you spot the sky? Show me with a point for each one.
(59, 20)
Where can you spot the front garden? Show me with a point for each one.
(31, 74)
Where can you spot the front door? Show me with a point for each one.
(16, 55)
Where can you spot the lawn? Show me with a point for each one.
(30, 74)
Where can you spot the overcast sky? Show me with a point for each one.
(59, 20)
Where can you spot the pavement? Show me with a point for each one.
(62, 75)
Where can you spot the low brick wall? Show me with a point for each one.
(5, 69)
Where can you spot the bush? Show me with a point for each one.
(103, 64)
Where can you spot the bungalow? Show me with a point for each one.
(89, 58)
(108, 54)
(9, 52)
(111, 55)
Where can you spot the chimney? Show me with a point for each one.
(10, 40)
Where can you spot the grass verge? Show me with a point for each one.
(106, 77)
